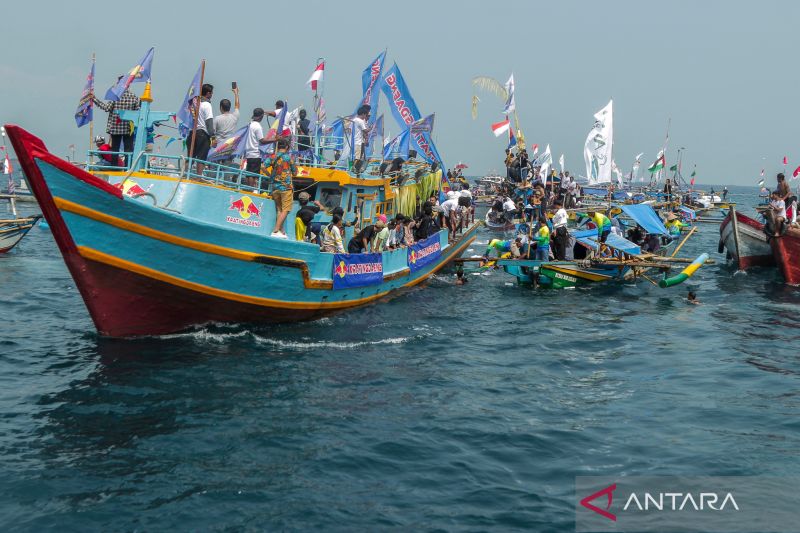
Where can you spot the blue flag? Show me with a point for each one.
(397, 147)
(370, 83)
(231, 147)
(423, 125)
(139, 73)
(375, 131)
(405, 112)
(185, 114)
(85, 112)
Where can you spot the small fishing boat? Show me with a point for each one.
(13, 230)
(152, 252)
(744, 241)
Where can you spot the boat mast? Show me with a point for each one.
(91, 122)
(318, 94)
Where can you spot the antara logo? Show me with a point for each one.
(609, 493)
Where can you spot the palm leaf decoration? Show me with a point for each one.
(489, 84)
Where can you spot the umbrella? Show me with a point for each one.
(461, 166)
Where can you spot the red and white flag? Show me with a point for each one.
(796, 172)
(785, 161)
(7, 168)
(316, 76)
(501, 127)
(535, 149)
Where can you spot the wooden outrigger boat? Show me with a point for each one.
(155, 250)
(13, 230)
(623, 260)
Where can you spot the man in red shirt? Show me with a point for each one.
(103, 146)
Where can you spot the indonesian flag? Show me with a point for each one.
(796, 172)
(501, 127)
(535, 149)
(316, 76)
(7, 168)
(659, 164)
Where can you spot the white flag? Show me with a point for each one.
(545, 161)
(561, 163)
(510, 105)
(635, 169)
(597, 150)
(616, 172)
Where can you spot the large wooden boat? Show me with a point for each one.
(154, 249)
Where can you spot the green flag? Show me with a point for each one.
(674, 168)
(693, 173)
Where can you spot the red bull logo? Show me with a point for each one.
(246, 209)
(341, 269)
(412, 258)
(130, 188)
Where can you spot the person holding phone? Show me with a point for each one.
(226, 122)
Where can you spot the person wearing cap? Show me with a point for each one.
(361, 242)
(103, 146)
(303, 225)
(281, 171)
(382, 237)
(255, 137)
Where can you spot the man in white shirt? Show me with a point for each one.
(201, 140)
(225, 123)
(255, 138)
(360, 137)
(450, 211)
(777, 211)
(572, 189)
(560, 235)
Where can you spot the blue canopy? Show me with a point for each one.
(688, 214)
(595, 191)
(646, 217)
(588, 238)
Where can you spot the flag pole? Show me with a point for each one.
(317, 96)
(196, 111)
(89, 158)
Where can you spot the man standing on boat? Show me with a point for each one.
(282, 171)
(201, 140)
(360, 137)
(225, 123)
(255, 137)
(121, 131)
(560, 236)
(603, 224)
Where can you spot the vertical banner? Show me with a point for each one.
(405, 112)
(597, 150)
(357, 270)
(370, 83)
(423, 253)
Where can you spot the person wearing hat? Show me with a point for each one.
(254, 138)
(674, 225)
(361, 242)
(103, 146)
(382, 237)
(303, 225)
(602, 222)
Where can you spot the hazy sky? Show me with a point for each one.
(726, 72)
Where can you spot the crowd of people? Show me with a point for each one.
(781, 213)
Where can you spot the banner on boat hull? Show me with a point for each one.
(357, 270)
(423, 253)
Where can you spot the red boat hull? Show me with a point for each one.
(786, 250)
